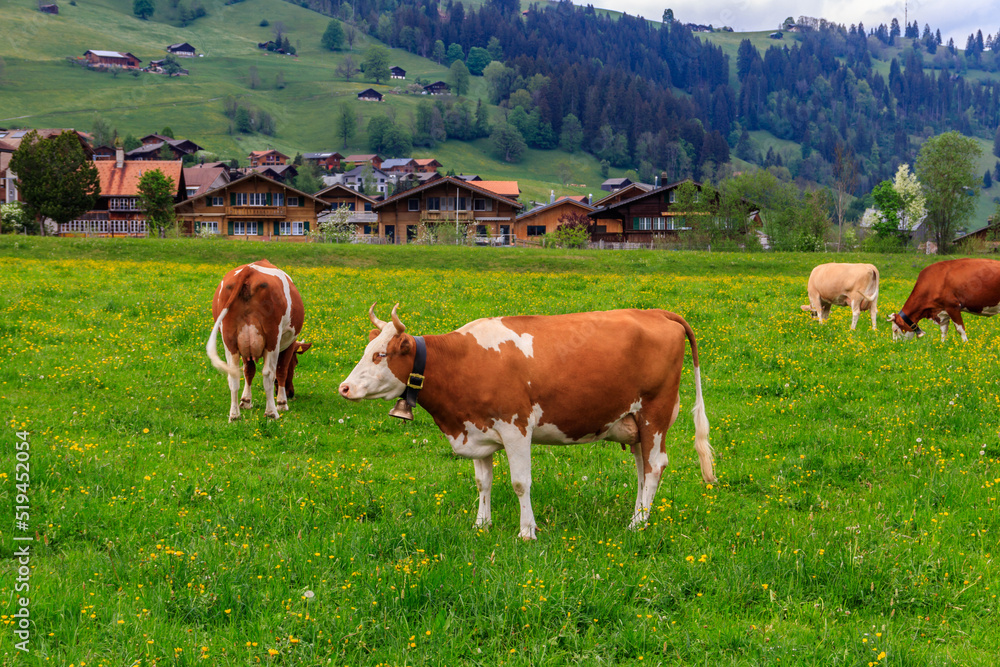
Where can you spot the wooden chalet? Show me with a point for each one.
(355, 179)
(362, 215)
(104, 152)
(253, 207)
(326, 161)
(374, 159)
(370, 95)
(613, 184)
(427, 165)
(267, 158)
(202, 178)
(152, 148)
(111, 59)
(117, 212)
(621, 194)
(278, 172)
(644, 217)
(476, 211)
(436, 88)
(183, 50)
(542, 220)
(399, 166)
(10, 141)
(397, 72)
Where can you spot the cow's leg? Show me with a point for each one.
(519, 455)
(855, 312)
(249, 370)
(640, 474)
(956, 317)
(824, 313)
(874, 310)
(653, 461)
(281, 376)
(234, 387)
(484, 484)
(270, 362)
(816, 305)
(942, 320)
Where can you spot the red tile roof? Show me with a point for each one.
(124, 181)
(505, 188)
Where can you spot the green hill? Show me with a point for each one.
(39, 88)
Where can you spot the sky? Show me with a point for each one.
(751, 15)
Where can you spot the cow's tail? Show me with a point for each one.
(212, 345)
(871, 293)
(213, 351)
(701, 427)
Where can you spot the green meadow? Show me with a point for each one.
(854, 521)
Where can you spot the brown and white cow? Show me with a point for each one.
(854, 285)
(259, 312)
(945, 290)
(507, 382)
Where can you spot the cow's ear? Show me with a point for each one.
(404, 345)
(303, 347)
(373, 334)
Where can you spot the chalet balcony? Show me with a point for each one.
(366, 218)
(436, 216)
(256, 212)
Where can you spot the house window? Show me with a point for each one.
(122, 204)
(191, 192)
(369, 230)
(298, 228)
(217, 201)
(659, 224)
(463, 203)
(433, 203)
(368, 206)
(279, 198)
(482, 205)
(210, 227)
(412, 204)
(284, 228)
(536, 230)
(350, 206)
(258, 199)
(672, 197)
(676, 223)
(244, 228)
(293, 201)
(642, 224)
(241, 199)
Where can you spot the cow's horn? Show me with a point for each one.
(400, 327)
(375, 320)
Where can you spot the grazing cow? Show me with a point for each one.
(506, 382)
(854, 285)
(260, 313)
(944, 290)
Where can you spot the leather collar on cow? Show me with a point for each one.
(414, 383)
(908, 322)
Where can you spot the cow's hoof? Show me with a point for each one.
(233, 417)
(281, 406)
(272, 415)
(246, 403)
(527, 533)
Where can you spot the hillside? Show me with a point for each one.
(38, 88)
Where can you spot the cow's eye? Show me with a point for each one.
(381, 355)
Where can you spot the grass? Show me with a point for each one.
(854, 522)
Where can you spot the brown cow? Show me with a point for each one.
(506, 382)
(945, 290)
(259, 312)
(854, 285)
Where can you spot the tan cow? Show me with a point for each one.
(507, 382)
(854, 285)
(259, 312)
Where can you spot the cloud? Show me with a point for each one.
(745, 16)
